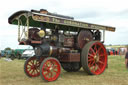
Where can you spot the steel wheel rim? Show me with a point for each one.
(97, 58)
(51, 70)
(32, 67)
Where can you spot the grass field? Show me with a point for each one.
(12, 73)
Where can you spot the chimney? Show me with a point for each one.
(43, 11)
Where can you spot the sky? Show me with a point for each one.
(105, 12)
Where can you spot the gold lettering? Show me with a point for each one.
(36, 17)
(84, 25)
(56, 20)
(97, 27)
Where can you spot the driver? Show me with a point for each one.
(97, 35)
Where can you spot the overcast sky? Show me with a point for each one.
(104, 12)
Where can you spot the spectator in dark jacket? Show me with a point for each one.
(126, 60)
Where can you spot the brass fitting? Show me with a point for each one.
(41, 33)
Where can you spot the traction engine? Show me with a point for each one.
(60, 41)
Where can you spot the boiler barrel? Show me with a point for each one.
(47, 50)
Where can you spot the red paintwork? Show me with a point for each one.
(48, 74)
(32, 67)
(97, 67)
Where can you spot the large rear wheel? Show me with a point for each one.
(50, 69)
(94, 58)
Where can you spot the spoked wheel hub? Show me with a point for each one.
(50, 69)
(94, 58)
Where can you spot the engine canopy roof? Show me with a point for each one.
(49, 20)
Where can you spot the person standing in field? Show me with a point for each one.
(126, 59)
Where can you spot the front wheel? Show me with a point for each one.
(94, 58)
(50, 69)
(31, 67)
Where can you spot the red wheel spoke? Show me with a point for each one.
(51, 64)
(55, 71)
(94, 68)
(91, 59)
(54, 67)
(37, 70)
(48, 64)
(101, 62)
(45, 69)
(99, 49)
(46, 74)
(90, 55)
(95, 48)
(92, 51)
(91, 64)
(51, 74)
(31, 67)
(98, 67)
(32, 71)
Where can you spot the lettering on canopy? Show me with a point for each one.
(66, 22)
